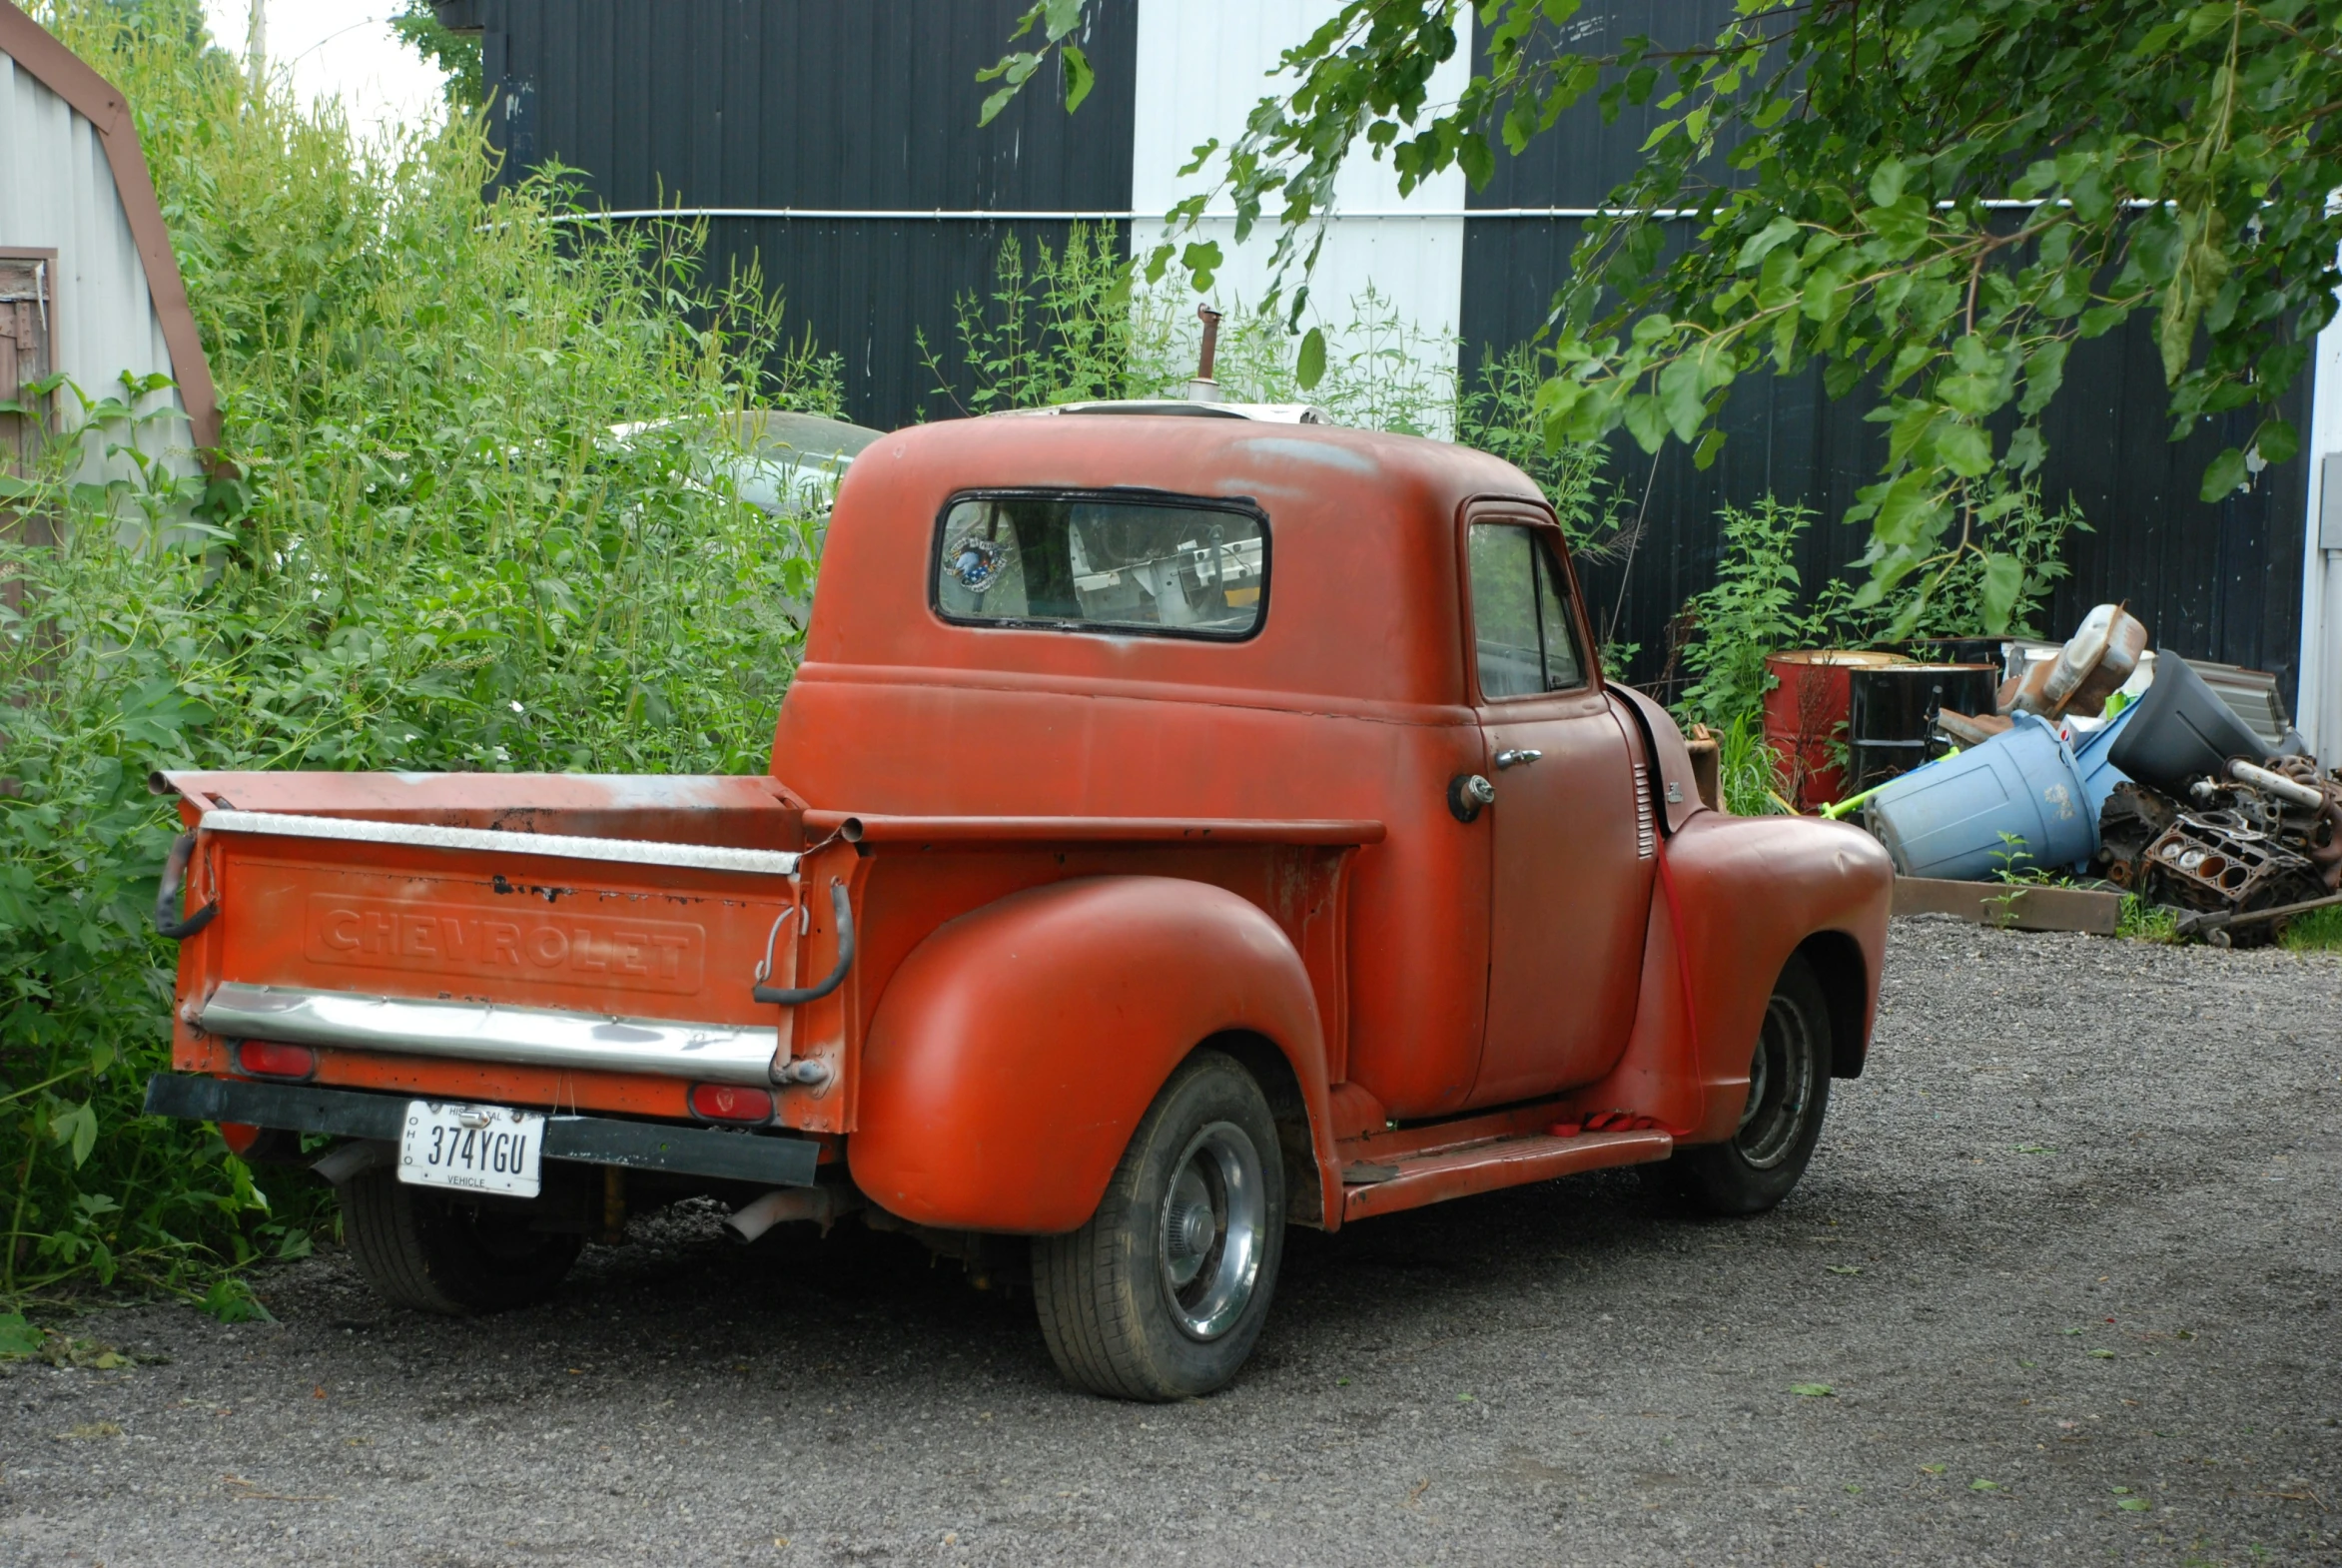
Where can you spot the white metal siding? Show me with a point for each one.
(57, 192)
(1202, 64)
(2319, 707)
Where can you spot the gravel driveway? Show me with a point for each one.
(2065, 1264)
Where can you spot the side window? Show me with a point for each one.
(1520, 615)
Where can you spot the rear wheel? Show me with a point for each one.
(1788, 1092)
(1163, 1293)
(422, 1249)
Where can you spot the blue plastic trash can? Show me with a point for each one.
(2094, 761)
(1947, 819)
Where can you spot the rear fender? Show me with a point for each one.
(1015, 1051)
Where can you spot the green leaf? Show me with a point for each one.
(230, 1300)
(18, 1337)
(1683, 398)
(1963, 448)
(1813, 1391)
(1822, 295)
(1886, 182)
(1201, 260)
(1765, 240)
(2276, 441)
(1646, 422)
(77, 1128)
(2003, 579)
(2045, 372)
(1983, 1486)
(1017, 69)
(1908, 360)
(2132, 1504)
(1477, 159)
(2025, 449)
(1309, 364)
(1080, 78)
(2225, 476)
(1651, 330)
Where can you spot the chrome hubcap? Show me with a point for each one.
(1208, 1243)
(1781, 1086)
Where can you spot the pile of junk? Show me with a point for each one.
(2180, 781)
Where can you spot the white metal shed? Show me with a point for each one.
(88, 283)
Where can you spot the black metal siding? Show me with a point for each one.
(2219, 582)
(825, 104)
(870, 105)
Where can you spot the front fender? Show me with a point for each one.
(1016, 1048)
(1749, 891)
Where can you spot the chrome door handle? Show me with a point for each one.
(1514, 757)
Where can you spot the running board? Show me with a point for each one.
(1370, 1188)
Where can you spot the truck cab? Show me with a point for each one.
(1178, 829)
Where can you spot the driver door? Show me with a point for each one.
(1572, 832)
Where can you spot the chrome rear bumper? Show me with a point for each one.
(484, 1031)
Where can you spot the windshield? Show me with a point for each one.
(1084, 562)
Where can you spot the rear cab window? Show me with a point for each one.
(1104, 562)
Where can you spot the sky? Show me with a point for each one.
(342, 47)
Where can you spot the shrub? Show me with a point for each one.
(1753, 609)
(433, 553)
(1758, 605)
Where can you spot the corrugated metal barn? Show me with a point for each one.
(836, 142)
(88, 283)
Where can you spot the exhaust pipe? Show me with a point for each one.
(1203, 388)
(821, 1204)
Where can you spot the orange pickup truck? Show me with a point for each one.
(1186, 822)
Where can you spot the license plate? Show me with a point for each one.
(478, 1148)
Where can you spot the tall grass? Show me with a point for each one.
(426, 550)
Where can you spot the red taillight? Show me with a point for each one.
(275, 1059)
(728, 1102)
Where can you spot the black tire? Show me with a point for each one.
(1789, 1094)
(1163, 1293)
(422, 1250)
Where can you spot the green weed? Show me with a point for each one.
(1753, 609)
(1758, 603)
(2319, 931)
(2141, 921)
(1748, 774)
(427, 549)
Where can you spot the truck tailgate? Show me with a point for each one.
(578, 956)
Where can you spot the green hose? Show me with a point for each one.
(1838, 809)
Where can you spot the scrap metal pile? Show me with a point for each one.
(2114, 763)
(2234, 854)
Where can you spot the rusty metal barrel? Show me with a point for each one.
(1891, 710)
